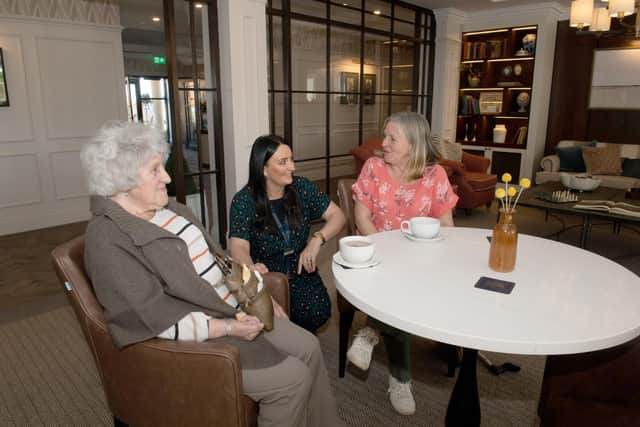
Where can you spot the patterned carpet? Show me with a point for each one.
(47, 375)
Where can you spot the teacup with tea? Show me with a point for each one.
(356, 249)
(422, 227)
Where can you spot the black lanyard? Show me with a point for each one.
(285, 231)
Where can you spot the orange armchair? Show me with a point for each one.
(475, 186)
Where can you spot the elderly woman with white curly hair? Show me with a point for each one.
(153, 270)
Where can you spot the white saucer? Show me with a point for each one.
(422, 240)
(337, 258)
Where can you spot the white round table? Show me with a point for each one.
(565, 300)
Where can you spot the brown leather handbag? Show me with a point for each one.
(245, 285)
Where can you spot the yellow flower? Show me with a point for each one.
(525, 183)
(511, 191)
(500, 193)
(506, 177)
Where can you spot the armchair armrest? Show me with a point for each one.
(161, 381)
(456, 168)
(278, 286)
(550, 163)
(474, 163)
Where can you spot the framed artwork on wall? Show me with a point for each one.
(349, 82)
(368, 96)
(4, 93)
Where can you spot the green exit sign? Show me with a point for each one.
(159, 60)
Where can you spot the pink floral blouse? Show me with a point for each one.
(391, 203)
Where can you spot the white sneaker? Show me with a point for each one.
(362, 348)
(401, 397)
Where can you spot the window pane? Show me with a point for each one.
(377, 22)
(313, 170)
(404, 13)
(378, 7)
(400, 103)
(308, 122)
(308, 56)
(278, 103)
(345, 14)
(309, 7)
(276, 57)
(345, 59)
(404, 29)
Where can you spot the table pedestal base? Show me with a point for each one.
(464, 405)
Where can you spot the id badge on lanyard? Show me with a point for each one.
(285, 232)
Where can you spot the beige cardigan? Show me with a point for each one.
(144, 279)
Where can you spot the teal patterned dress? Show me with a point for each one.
(310, 306)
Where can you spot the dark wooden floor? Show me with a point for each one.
(27, 279)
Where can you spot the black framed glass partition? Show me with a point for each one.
(337, 69)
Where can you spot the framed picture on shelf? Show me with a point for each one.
(4, 93)
(349, 82)
(368, 96)
(490, 102)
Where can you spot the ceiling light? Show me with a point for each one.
(620, 8)
(156, 19)
(601, 20)
(376, 12)
(198, 5)
(581, 13)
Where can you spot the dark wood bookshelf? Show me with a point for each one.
(505, 71)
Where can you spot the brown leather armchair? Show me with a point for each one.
(599, 388)
(469, 178)
(476, 187)
(160, 382)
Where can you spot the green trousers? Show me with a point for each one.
(398, 346)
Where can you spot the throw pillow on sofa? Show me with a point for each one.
(570, 159)
(603, 160)
(631, 167)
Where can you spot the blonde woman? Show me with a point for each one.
(406, 182)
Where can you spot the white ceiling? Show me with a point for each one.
(137, 13)
(477, 5)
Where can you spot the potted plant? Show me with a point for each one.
(473, 76)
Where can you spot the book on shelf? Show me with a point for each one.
(469, 105)
(618, 208)
(485, 49)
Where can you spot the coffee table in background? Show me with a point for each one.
(578, 302)
(530, 198)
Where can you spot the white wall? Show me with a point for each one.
(243, 73)
(65, 79)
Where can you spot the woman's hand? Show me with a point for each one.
(246, 327)
(260, 268)
(308, 256)
(278, 311)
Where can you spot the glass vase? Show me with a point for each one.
(504, 243)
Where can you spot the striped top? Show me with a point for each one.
(194, 326)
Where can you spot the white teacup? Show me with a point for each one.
(356, 249)
(423, 227)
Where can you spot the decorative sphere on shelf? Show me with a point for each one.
(523, 100)
(517, 69)
(507, 71)
(529, 43)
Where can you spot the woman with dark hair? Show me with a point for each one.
(270, 221)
